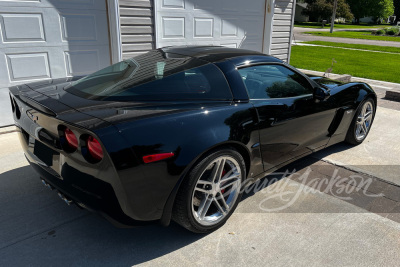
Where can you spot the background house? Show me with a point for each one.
(298, 16)
(44, 39)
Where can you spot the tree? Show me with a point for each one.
(396, 4)
(383, 9)
(379, 9)
(318, 10)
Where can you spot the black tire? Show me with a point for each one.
(351, 136)
(182, 210)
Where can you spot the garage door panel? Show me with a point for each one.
(229, 28)
(31, 64)
(28, 66)
(173, 27)
(173, 4)
(58, 4)
(51, 41)
(81, 62)
(78, 27)
(49, 27)
(22, 27)
(254, 8)
(210, 22)
(85, 27)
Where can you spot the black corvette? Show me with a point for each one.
(176, 132)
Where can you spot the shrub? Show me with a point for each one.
(380, 32)
(392, 30)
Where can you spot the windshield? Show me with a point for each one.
(154, 76)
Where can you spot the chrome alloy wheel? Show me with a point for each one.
(364, 120)
(216, 191)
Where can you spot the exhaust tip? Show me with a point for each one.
(47, 184)
(67, 200)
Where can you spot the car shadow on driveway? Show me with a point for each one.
(294, 167)
(38, 228)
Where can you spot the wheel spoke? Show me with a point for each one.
(233, 176)
(204, 206)
(217, 171)
(365, 129)
(202, 182)
(200, 186)
(223, 201)
(360, 129)
(228, 184)
(205, 191)
(219, 207)
(227, 174)
(367, 115)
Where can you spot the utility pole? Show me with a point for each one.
(333, 15)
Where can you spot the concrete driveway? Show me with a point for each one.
(284, 220)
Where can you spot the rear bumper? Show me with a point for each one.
(99, 197)
(116, 186)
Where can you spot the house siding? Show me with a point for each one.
(282, 29)
(137, 27)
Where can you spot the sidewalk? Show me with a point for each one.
(300, 36)
(374, 83)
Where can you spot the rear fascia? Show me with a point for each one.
(94, 186)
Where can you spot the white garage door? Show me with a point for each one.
(42, 39)
(233, 23)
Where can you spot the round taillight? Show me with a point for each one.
(94, 148)
(72, 141)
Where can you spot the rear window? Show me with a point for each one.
(154, 76)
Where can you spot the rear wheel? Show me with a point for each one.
(211, 192)
(362, 122)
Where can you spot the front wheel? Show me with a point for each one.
(362, 122)
(210, 193)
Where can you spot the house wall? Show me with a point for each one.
(299, 16)
(137, 27)
(282, 29)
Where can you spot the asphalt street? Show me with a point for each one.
(284, 220)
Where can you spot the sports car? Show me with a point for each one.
(176, 133)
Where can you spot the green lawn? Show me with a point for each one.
(357, 35)
(317, 25)
(377, 66)
(358, 46)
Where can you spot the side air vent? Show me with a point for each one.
(17, 110)
(12, 104)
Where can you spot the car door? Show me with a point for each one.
(291, 122)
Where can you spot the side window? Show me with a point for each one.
(204, 82)
(273, 81)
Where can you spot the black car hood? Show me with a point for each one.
(52, 95)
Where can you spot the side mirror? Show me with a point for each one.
(321, 94)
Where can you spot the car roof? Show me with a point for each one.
(214, 53)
